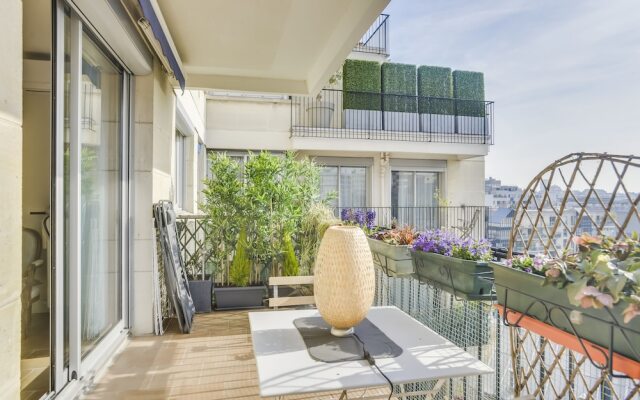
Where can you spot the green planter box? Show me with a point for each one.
(524, 293)
(469, 280)
(391, 259)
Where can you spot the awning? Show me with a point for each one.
(156, 23)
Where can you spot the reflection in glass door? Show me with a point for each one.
(100, 198)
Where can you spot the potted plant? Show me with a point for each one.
(390, 249)
(468, 91)
(320, 111)
(200, 283)
(362, 98)
(240, 294)
(435, 100)
(399, 102)
(457, 265)
(591, 293)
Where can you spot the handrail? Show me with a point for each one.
(386, 16)
(336, 113)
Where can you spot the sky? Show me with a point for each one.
(564, 74)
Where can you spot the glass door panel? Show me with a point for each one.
(100, 197)
(402, 197)
(353, 187)
(329, 184)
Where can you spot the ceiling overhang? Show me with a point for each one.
(281, 46)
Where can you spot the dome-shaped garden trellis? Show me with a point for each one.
(553, 356)
(566, 199)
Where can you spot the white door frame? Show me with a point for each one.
(79, 366)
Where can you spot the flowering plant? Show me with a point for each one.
(361, 218)
(533, 265)
(602, 273)
(449, 244)
(397, 236)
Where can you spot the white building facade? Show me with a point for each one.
(380, 166)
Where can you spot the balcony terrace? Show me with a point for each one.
(422, 119)
(376, 39)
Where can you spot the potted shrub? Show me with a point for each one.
(457, 265)
(399, 102)
(390, 249)
(200, 283)
(468, 90)
(240, 294)
(586, 293)
(320, 111)
(362, 99)
(435, 100)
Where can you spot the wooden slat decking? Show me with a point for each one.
(214, 362)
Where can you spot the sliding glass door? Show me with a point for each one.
(91, 197)
(100, 200)
(414, 198)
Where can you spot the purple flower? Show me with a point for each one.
(371, 217)
(449, 244)
(359, 217)
(344, 214)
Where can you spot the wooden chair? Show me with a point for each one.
(31, 262)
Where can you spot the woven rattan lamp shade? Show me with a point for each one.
(344, 279)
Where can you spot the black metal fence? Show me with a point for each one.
(376, 39)
(470, 221)
(380, 116)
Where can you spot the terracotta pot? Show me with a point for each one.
(344, 282)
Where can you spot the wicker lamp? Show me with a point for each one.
(344, 279)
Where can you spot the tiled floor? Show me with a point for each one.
(214, 362)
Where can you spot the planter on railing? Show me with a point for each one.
(469, 280)
(523, 292)
(393, 260)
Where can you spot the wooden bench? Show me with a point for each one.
(276, 301)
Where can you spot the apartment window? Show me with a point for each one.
(180, 170)
(414, 189)
(414, 198)
(347, 183)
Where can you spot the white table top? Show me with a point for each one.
(285, 367)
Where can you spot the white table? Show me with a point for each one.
(285, 367)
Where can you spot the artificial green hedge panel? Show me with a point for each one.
(469, 88)
(398, 83)
(362, 77)
(435, 86)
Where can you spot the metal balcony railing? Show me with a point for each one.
(376, 39)
(468, 221)
(380, 116)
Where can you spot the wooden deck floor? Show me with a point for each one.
(214, 362)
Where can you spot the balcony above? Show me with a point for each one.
(374, 116)
(376, 39)
(256, 46)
